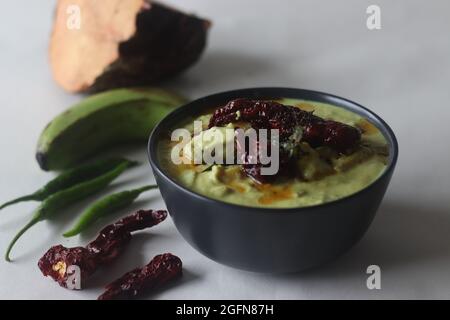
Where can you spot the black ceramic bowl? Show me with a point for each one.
(263, 239)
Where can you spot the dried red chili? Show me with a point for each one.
(162, 269)
(263, 114)
(104, 249)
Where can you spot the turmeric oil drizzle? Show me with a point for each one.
(270, 194)
(236, 187)
(366, 127)
(273, 194)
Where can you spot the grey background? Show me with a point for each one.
(402, 72)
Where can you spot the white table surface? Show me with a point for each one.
(402, 72)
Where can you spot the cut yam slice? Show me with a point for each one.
(99, 45)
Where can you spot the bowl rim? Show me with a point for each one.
(325, 97)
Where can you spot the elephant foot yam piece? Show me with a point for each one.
(100, 45)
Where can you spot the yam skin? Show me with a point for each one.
(122, 44)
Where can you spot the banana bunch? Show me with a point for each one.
(101, 121)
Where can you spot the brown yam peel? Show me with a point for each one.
(122, 43)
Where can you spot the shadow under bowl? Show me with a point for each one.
(269, 239)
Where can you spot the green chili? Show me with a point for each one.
(104, 207)
(70, 178)
(53, 204)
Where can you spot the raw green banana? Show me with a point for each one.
(101, 121)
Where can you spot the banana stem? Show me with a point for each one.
(30, 197)
(32, 222)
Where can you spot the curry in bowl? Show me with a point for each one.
(325, 153)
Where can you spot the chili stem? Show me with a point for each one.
(32, 222)
(30, 197)
(146, 188)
